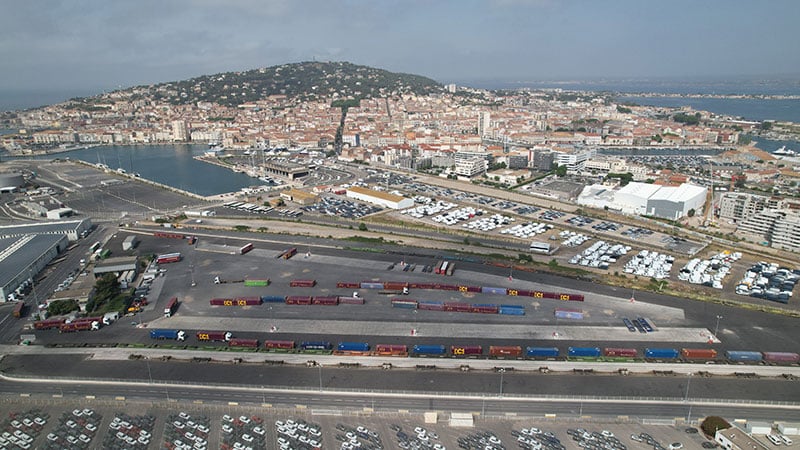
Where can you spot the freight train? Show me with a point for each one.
(609, 354)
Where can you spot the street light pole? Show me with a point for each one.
(502, 371)
(688, 383)
(716, 327)
(320, 376)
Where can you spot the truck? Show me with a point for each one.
(428, 350)
(170, 307)
(130, 242)
(79, 326)
(302, 283)
(211, 336)
(18, 309)
(176, 335)
(110, 317)
(168, 258)
(403, 291)
(246, 249)
(541, 352)
(48, 324)
(583, 352)
(661, 353)
(288, 253)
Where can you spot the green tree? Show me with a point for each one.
(561, 171)
(713, 423)
(61, 307)
(691, 212)
(766, 125)
(362, 226)
(106, 288)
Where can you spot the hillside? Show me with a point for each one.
(301, 81)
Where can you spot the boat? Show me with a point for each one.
(783, 151)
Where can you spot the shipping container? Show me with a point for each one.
(391, 350)
(541, 352)
(328, 301)
(698, 353)
(466, 350)
(743, 356)
(661, 353)
(351, 301)
(168, 334)
(494, 290)
(511, 310)
(214, 336)
(583, 352)
(371, 285)
(168, 235)
(620, 352)
(256, 283)
(781, 357)
(457, 307)
(288, 253)
(394, 285)
(298, 300)
(348, 285)
(572, 314)
(221, 302)
(422, 350)
(431, 306)
(450, 269)
(407, 304)
(353, 347)
(273, 299)
(316, 345)
(247, 301)
(246, 249)
(279, 345)
(485, 309)
(505, 351)
(168, 258)
(248, 343)
(48, 324)
(302, 283)
(18, 309)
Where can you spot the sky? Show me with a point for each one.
(87, 46)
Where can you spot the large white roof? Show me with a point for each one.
(678, 194)
(641, 190)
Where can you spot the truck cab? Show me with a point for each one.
(217, 280)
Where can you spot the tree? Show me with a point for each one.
(362, 226)
(713, 423)
(561, 171)
(105, 289)
(766, 125)
(60, 307)
(691, 212)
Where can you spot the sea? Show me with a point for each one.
(173, 165)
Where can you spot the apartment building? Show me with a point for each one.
(778, 227)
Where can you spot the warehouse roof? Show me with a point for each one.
(678, 194)
(377, 194)
(40, 228)
(641, 190)
(20, 252)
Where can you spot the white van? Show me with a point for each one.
(774, 439)
(785, 439)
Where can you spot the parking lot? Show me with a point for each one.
(197, 427)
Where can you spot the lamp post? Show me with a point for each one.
(502, 371)
(686, 398)
(716, 327)
(320, 376)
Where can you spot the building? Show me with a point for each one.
(10, 182)
(180, 132)
(59, 213)
(735, 439)
(508, 177)
(383, 199)
(671, 202)
(741, 206)
(23, 256)
(574, 160)
(779, 228)
(632, 198)
(299, 197)
(484, 123)
(73, 229)
(116, 265)
(517, 161)
(543, 159)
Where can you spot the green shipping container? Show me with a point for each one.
(256, 282)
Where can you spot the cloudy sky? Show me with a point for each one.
(91, 45)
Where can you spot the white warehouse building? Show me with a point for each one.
(667, 202)
(383, 199)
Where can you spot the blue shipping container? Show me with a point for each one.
(741, 355)
(409, 304)
(584, 351)
(429, 350)
(316, 345)
(541, 352)
(494, 290)
(512, 311)
(566, 314)
(353, 347)
(661, 353)
(273, 299)
(164, 334)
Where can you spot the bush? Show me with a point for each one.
(61, 307)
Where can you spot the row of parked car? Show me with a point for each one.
(21, 429)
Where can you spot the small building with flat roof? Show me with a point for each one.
(735, 439)
(115, 265)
